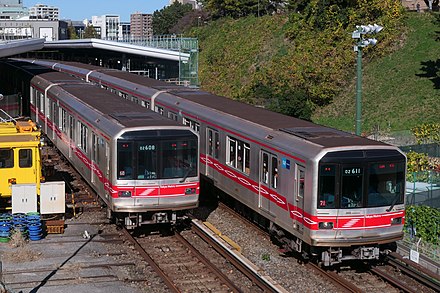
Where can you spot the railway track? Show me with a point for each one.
(183, 267)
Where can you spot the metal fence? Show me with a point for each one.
(430, 149)
(424, 189)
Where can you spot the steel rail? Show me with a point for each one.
(207, 263)
(263, 282)
(151, 262)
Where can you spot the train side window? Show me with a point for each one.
(95, 148)
(63, 122)
(274, 173)
(37, 99)
(158, 110)
(47, 109)
(172, 116)
(6, 158)
(71, 128)
(238, 155)
(82, 136)
(301, 182)
(217, 144)
(191, 123)
(265, 168)
(55, 113)
(25, 158)
(213, 143)
(123, 95)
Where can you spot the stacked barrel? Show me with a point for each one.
(28, 225)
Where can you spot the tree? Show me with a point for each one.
(193, 18)
(71, 33)
(90, 32)
(166, 18)
(241, 8)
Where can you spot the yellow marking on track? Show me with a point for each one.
(224, 237)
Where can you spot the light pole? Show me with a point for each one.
(361, 42)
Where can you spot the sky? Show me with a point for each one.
(82, 9)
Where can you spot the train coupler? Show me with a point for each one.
(366, 252)
(331, 256)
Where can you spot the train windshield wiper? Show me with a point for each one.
(393, 203)
(186, 174)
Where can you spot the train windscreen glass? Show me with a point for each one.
(372, 182)
(158, 158)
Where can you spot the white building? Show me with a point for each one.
(44, 11)
(108, 25)
(12, 9)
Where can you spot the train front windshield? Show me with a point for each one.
(359, 179)
(153, 155)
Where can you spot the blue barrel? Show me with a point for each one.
(34, 226)
(5, 230)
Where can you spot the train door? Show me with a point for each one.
(27, 168)
(298, 207)
(268, 179)
(212, 151)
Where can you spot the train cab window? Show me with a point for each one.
(125, 160)
(351, 189)
(327, 187)
(238, 155)
(25, 158)
(6, 158)
(385, 184)
(147, 161)
(213, 143)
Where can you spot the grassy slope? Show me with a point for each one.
(237, 54)
(394, 96)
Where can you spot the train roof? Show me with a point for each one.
(318, 134)
(321, 135)
(125, 112)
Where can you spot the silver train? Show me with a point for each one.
(325, 193)
(143, 166)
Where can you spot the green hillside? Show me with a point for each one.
(400, 90)
(307, 72)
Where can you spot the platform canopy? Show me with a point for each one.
(119, 47)
(14, 47)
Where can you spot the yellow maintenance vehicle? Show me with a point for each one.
(20, 160)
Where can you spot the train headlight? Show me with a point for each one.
(12, 180)
(325, 225)
(124, 193)
(396, 221)
(190, 191)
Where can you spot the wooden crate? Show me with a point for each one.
(55, 226)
